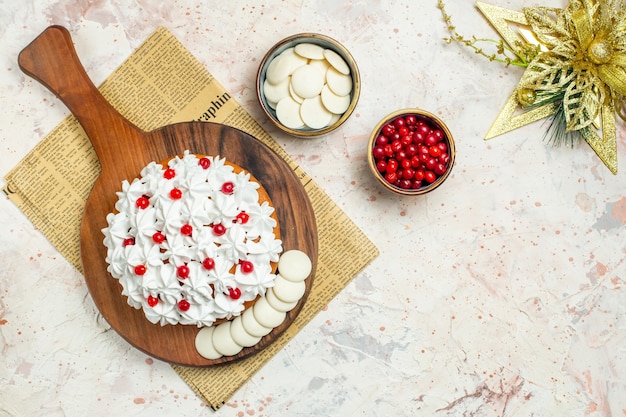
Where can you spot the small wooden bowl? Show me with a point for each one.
(434, 123)
(327, 43)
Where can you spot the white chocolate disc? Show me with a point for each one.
(271, 73)
(307, 81)
(204, 343)
(294, 265)
(339, 83)
(223, 341)
(288, 113)
(283, 65)
(239, 334)
(309, 50)
(277, 303)
(334, 119)
(334, 103)
(267, 315)
(276, 92)
(288, 291)
(336, 61)
(314, 114)
(252, 326)
(294, 96)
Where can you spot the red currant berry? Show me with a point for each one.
(430, 176)
(440, 168)
(247, 267)
(410, 119)
(205, 163)
(234, 293)
(444, 158)
(419, 175)
(430, 164)
(128, 241)
(405, 184)
(378, 152)
(434, 151)
(158, 238)
(176, 194)
(219, 229)
(422, 128)
(399, 122)
(242, 218)
(443, 147)
(416, 185)
(388, 129)
(396, 145)
(423, 157)
(431, 140)
(405, 164)
(406, 140)
(381, 166)
(152, 301)
(401, 155)
(407, 174)
(418, 138)
(382, 140)
(142, 202)
(415, 162)
(183, 305)
(439, 134)
(140, 270)
(169, 174)
(182, 271)
(411, 149)
(186, 230)
(228, 187)
(392, 165)
(208, 263)
(391, 177)
(403, 130)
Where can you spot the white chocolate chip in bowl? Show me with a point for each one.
(334, 103)
(314, 114)
(309, 50)
(309, 81)
(340, 84)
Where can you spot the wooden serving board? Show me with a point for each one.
(123, 150)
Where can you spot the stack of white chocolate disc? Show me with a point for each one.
(308, 85)
(229, 338)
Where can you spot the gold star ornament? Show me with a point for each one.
(575, 69)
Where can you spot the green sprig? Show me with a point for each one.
(504, 54)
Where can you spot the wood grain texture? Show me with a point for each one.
(123, 150)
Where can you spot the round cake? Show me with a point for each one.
(193, 241)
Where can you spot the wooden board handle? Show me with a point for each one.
(52, 60)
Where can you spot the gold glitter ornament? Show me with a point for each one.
(575, 60)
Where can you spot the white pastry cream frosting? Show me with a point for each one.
(190, 242)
